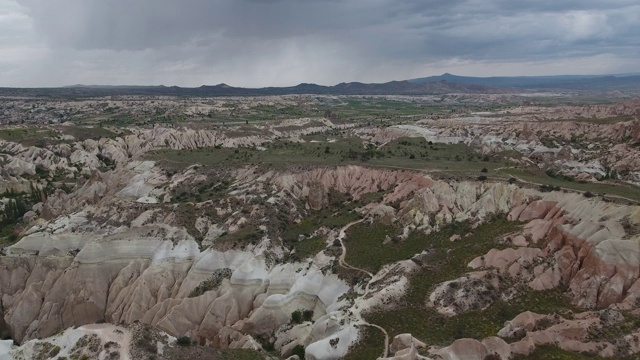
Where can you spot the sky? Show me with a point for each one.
(256, 43)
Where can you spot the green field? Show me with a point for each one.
(43, 136)
(385, 108)
(340, 110)
(32, 136)
(410, 153)
(81, 133)
(365, 248)
(268, 113)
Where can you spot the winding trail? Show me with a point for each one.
(341, 236)
(343, 263)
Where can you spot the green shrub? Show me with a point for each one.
(212, 283)
(307, 315)
(298, 350)
(55, 351)
(296, 317)
(300, 316)
(184, 341)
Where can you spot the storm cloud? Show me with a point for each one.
(285, 42)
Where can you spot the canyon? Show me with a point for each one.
(397, 229)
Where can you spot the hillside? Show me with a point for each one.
(568, 82)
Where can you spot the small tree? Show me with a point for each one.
(296, 317)
(184, 341)
(298, 350)
(307, 315)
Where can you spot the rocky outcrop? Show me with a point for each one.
(71, 270)
(353, 180)
(584, 333)
(473, 291)
(428, 205)
(468, 349)
(513, 262)
(585, 249)
(150, 280)
(97, 341)
(405, 347)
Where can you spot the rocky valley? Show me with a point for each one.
(456, 226)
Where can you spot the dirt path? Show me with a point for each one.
(343, 263)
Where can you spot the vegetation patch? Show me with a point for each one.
(448, 260)
(299, 237)
(242, 354)
(300, 316)
(370, 345)
(82, 133)
(45, 350)
(214, 189)
(366, 248)
(212, 283)
(184, 341)
(248, 235)
(371, 246)
(611, 187)
(16, 204)
(307, 247)
(547, 352)
(412, 153)
(32, 136)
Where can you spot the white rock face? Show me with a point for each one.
(323, 349)
(5, 349)
(44, 243)
(142, 183)
(19, 167)
(73, 269)
(86, 159)
(430, 135)
(67, 340)
(132, 277)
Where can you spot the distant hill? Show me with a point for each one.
(352, 88)
(566, 82)
(433, 85)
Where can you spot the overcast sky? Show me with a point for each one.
(285, 42)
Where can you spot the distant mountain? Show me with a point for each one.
(352, 88)
(566, 82)
(433, 85)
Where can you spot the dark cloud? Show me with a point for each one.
(280, 42)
